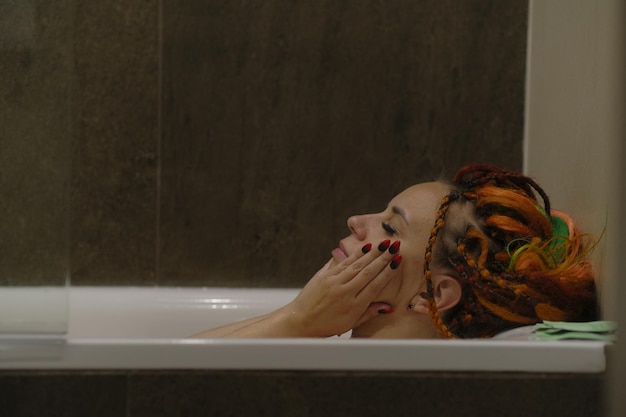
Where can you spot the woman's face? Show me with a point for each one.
(409, 217)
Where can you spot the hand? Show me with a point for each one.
(341, 297)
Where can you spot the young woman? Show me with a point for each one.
(470, 258)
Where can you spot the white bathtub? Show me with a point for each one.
(147, 328)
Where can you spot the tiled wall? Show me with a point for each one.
(36, 76)
(295, 394)
(216, 142)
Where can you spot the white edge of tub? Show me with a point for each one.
(313, 354)
(124, 328)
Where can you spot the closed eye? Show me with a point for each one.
(389, 228)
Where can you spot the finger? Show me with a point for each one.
(374, 310)
(387, 254)
(374, 286)
(324, 268)
(362, 262)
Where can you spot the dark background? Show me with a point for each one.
(225, 143)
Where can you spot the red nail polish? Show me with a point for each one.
(395, 262)
(386, 310)
(395, 247)
(384, 245)
(366, 248)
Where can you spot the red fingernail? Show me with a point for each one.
(395, 262)
(384, 245)
(395, 247)
(387, 310)
(366, 248)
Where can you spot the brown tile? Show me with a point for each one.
(36, 77)
(282, 118)
(116, 142)
(363, 394)
(38, 394)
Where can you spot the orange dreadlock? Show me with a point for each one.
(518, 263)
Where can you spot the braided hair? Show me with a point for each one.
(518, 262)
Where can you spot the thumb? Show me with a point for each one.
(374, 310)
(324, 268)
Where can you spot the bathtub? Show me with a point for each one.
(148, 328)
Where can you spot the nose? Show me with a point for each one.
(358, 226)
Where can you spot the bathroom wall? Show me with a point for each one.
(225, 143)
(289, 394)
(576, 100)
(280, 119)
(36, 75)
(575, 109)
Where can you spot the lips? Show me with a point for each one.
(340, 252)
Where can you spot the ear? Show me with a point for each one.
(447, 292)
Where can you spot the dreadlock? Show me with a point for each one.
(518, 261)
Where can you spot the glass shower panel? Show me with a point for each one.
(36, 82)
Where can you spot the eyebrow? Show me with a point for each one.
(397, 210)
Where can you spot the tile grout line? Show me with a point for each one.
(159, 134)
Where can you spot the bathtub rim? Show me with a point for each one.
(80, 349)
(321, 355)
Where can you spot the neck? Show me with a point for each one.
(401, 325)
